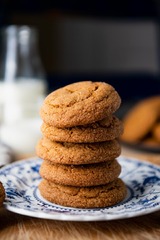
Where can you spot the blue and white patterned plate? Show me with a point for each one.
(21, 179)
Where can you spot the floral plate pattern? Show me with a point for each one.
(21, 179)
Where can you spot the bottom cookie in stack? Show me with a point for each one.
(84, 197)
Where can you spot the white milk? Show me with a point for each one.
(20, 122)
(22, 136)
(22, 99)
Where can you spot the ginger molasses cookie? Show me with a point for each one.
(150, 142)
(139, 121)
(79, 104)
(81, 175)
(104, 130)
(2, 194)
(84, 197)
(77, 153)
(156, 132)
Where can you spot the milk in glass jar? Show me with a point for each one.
(22, 89)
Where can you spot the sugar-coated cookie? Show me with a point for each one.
(156, 132)
(79, 104)
(150, 142)
(81, 175)
(139, 121)
(84, 197)
(2, 194)
(104, 130)
(77, 153)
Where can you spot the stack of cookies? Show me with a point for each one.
(80, 145)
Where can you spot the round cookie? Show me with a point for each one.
(104, 130)
(2, 194)
(150, 142)
(84, 197)
(81, 175)
(156, 132)
(77, 153)
(79, 104)
(140, 119)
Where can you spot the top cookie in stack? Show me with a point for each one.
(79, 146)
(79, 104)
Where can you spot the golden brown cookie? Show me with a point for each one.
(77, 153)
(150, 142)
(139, 121)
(81, 175)
(2, 194)
(79, 104)
(84, 197)
(104, 130)
(156, 131)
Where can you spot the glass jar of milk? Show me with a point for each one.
(22, 89)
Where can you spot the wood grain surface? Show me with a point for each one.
(16, 227)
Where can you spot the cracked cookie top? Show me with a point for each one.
(79, 103)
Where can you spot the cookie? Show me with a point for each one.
(84, 197)
(104, 130)
(156, 132)
(77, 153)
(139, 121)
(79, 104)
(2, 194)
(150, 142)
(81, 175)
